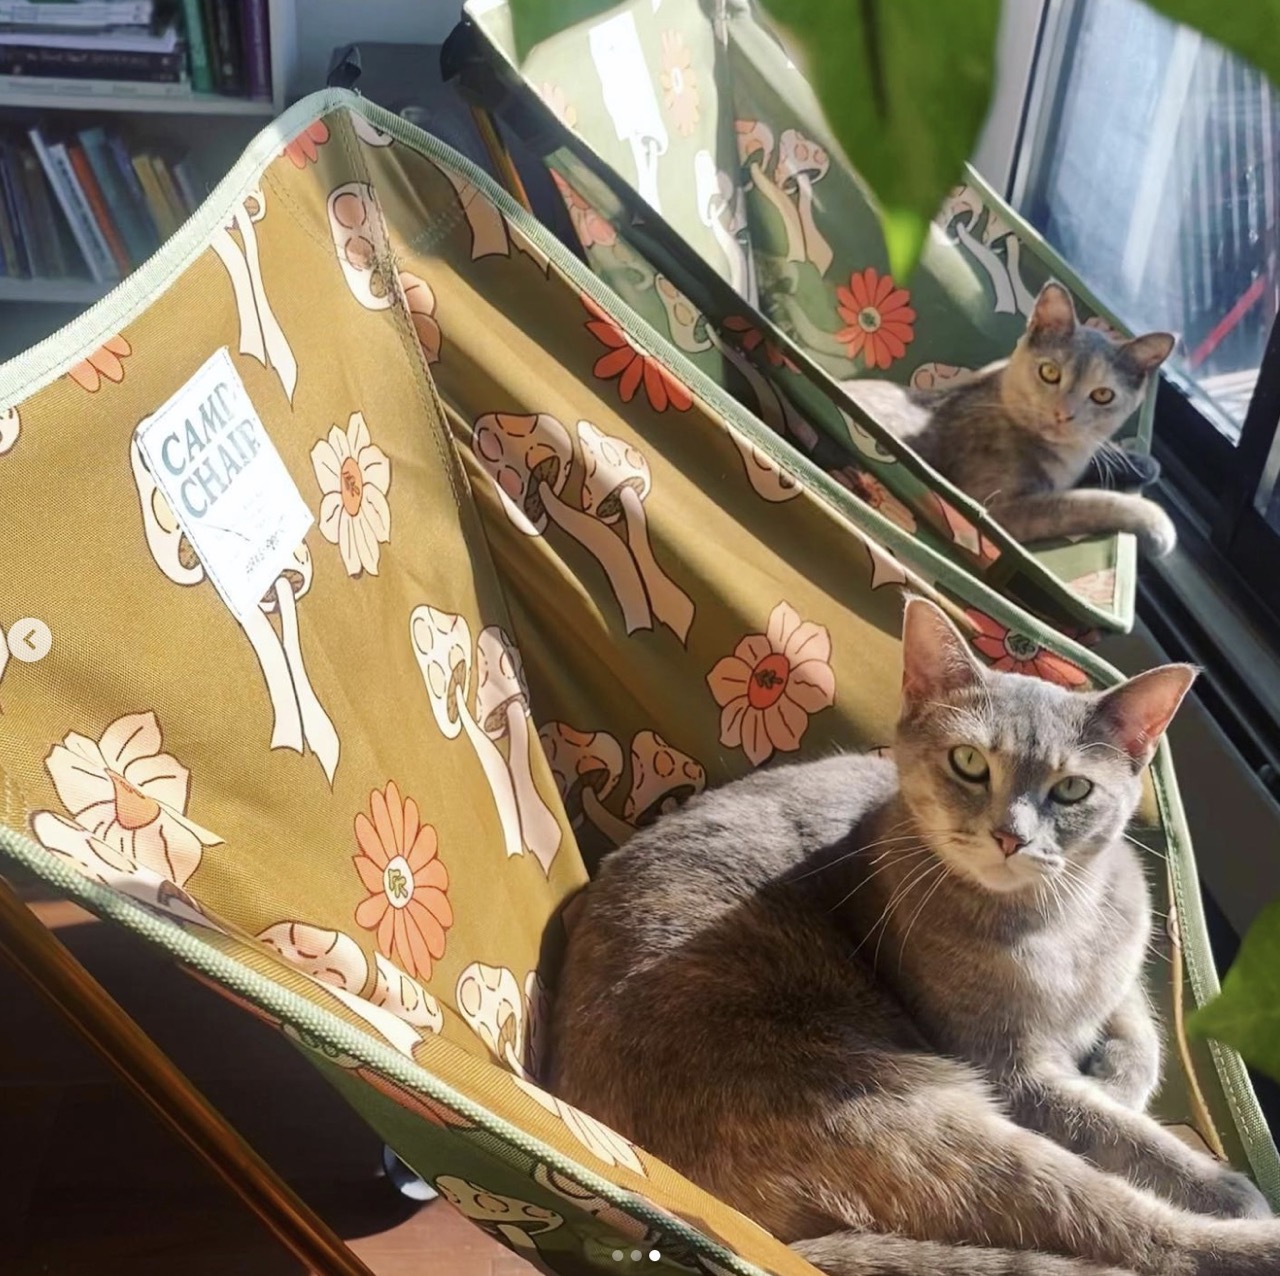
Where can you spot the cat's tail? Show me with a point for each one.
(1085, 512)
(873, 1254)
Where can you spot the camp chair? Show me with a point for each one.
(694, 162)
(355, 613)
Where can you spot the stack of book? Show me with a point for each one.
(77, 203)
(166, 47)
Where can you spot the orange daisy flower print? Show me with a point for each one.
(748, 337)
(305, 148)
(399, 864)
(631, 367)
(104, 364)
(873, 491)
(679, 83)
(772, 684)
(1016, 653)
(879, 318)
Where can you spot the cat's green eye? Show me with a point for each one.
(1103, 395)
(969, 764)
(1074, 788)
(1050, 372)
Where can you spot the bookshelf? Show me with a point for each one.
(211, 128)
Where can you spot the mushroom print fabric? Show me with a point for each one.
(784, 294)
(358, 777)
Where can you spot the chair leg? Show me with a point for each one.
(45, 961)
(500, 156)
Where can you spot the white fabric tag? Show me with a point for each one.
(214, 461)
(625, 80)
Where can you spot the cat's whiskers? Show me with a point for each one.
(915, 917)
(896, 902)
(913, 852)
(1142, 846)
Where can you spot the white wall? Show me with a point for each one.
(323, 25)
(1015, 50)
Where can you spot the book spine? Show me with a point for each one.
(91, 64)
(45, 217)
(98, 206)
(103, 263)
(156, 201)
(197, 47)
(8, 247)
(94, 143)
(187, 185)
(224, 20)
(170, 191)
(129, 175)
(121, 13)
(58, 170)
(255, 35)
(19, 226)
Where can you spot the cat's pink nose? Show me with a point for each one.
(1009, 843)
(1064, 417)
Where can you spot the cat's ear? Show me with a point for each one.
(1134, 715)
(1150, 350)
(936, 659)
(1054, 314)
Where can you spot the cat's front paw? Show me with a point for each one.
(1227, 1194)
(1157, 535)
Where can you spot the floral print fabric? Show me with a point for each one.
(532, 614)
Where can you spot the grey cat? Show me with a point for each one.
(1019, 434)
(893, 1009)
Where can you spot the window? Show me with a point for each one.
(1151, 161)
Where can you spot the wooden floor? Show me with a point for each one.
(91, 1185)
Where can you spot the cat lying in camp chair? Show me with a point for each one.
(693, 160)
(394, 574)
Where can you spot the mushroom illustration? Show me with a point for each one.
(960, 214)
(714, 197)
(360, 241)
(537, 1018)
(998, 232)
(615, 482)
(629, 98)
(368, 133)
(623, 1225)
(502, 710)
(529, 248)
(687, 325)
(866, 442)
(337, 962)
(661, 778)
(261, 336)
(936, 376)
(755, 148)
(10, 428)
(297, 717)
(801, 162)
(488, 228)
(528, 458)
(404, 996)
(581, 761)
(770, 481)
(492, 1006)
(282, 598)
(327, 955)
(885, 569)
(594, 1135)
(775, 408)
(421, 303)
(505, 1218)
(442, 645)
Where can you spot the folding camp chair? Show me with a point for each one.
(694, 161)
(377, 609)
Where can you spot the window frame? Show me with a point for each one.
(1213, 482)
